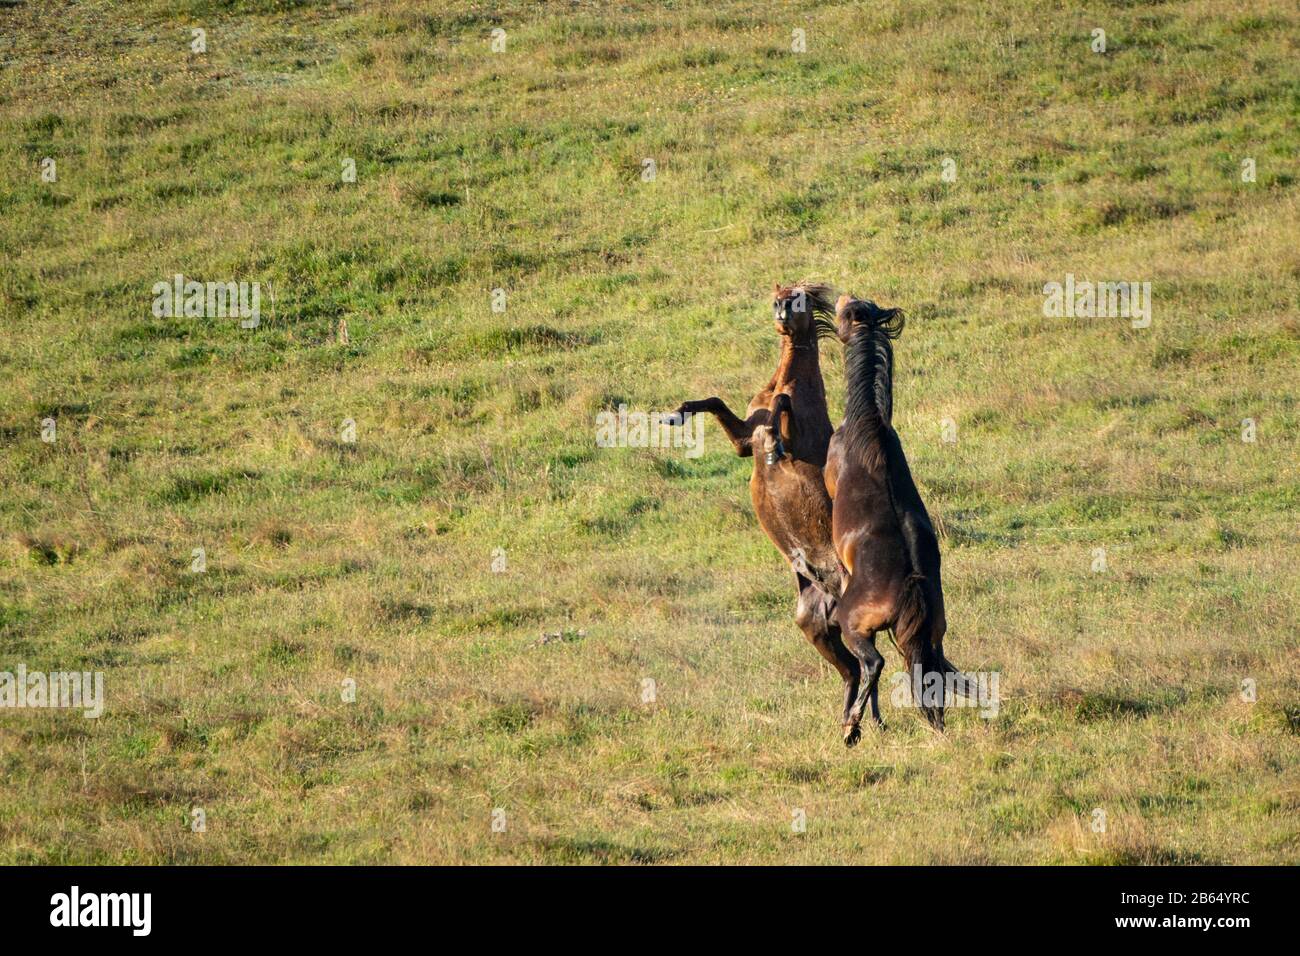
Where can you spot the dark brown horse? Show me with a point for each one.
(882, 532)
(786, 430)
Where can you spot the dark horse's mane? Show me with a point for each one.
(869, 370)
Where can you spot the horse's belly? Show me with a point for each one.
(871, 552)
(794, 510)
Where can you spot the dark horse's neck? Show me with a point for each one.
(869, 388)
(868, 430)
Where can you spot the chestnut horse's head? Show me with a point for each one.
(802, 311)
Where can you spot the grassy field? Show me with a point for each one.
(370, 561)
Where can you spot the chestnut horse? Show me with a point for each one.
(882, 532)
(786, 430)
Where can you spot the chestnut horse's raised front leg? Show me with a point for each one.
(779, 413)
(739, 431)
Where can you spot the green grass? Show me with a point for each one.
(370, 561)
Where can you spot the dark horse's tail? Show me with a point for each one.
(869, 435)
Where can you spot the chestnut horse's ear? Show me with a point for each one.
(776, 288)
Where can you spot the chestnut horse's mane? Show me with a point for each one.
(820, 296)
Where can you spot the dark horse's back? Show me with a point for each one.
(918, 531)
(913, 520)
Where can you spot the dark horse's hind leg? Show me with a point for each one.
(861, 642)
(815, 616)
(872, 663)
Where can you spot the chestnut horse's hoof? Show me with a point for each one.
(852, 734)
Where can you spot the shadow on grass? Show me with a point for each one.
(1091, 706)
(599, 850)
(1145, 855)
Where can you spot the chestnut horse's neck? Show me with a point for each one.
(799, 362)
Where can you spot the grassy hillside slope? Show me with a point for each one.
(331, 560)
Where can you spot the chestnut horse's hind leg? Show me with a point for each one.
(815, 615)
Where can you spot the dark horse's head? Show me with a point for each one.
(803, 311)
(868, 334)
(852, 314)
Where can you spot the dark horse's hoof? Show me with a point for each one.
(852, 734)
(776, 453)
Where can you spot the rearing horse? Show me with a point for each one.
(786, 430)
(882, 532)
